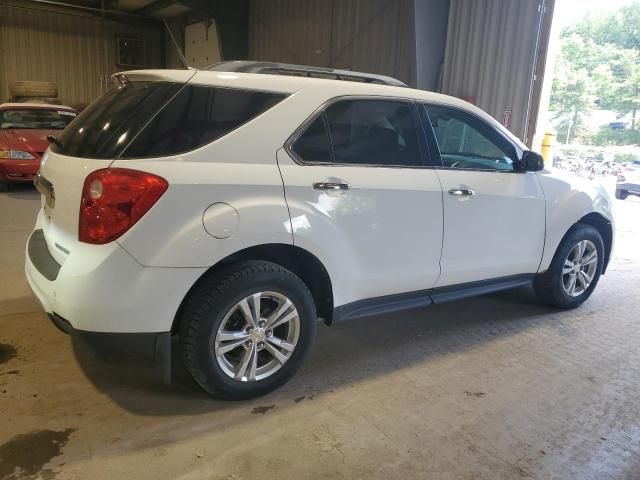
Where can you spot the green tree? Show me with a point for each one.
(599, 66)
(618, 35)
(574, 90)
(621, 28)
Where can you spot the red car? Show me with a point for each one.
(23, 137)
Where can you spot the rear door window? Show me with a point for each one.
(313, 145)
(376, 132)
(153, 119)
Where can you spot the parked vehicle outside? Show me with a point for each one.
(233, 210)
(23, 137)
(628, 182)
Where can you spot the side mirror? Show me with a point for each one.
(531, 162)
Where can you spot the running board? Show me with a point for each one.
(424, 298)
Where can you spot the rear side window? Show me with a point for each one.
(153, 119)
(363, 132)
(196, 116)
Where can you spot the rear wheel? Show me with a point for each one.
(245, 331)
(621, 194)
(575, 269)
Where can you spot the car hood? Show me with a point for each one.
(28, 140)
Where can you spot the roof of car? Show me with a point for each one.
(46, 106)
(291, 84)
(288, 84)
(274, 68)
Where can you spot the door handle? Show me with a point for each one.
(331, 186)
(462, 192)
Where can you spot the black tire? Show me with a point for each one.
(622, 194)
(213, 298)
(549, 285)
(4, 187)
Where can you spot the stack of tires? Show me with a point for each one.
(34, 92)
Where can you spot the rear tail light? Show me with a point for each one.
(113, 200)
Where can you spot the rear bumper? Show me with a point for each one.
(103, 297)
(152, 347)
(101, 288)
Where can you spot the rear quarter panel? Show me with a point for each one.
(239, 169)
(172, 233)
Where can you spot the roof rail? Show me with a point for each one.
(273, 68)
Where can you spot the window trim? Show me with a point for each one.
(423, 146)
(431, 136)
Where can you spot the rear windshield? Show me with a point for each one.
(35, 118)
(154, 119)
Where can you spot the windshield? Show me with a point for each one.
(31, 118)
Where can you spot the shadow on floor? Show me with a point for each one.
(22, 191)
(343, 354)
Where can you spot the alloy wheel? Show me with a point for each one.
(257, 336)
(579, 268)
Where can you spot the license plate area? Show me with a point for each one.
(45, 187)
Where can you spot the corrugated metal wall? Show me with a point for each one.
(374, 36)
(490, 56)
(71, 48)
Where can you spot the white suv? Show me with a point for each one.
(233, 210)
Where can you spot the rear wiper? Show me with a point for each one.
(55, 140)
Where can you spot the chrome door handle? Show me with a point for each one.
(331, 186)
(462, 192)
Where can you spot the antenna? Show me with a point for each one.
(180, 54)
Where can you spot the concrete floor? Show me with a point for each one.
(495, 387)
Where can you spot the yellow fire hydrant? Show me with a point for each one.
(548, 141)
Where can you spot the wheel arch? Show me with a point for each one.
(604, 227)
(298, 260)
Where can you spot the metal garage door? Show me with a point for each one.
(492, 49)
(368, 35)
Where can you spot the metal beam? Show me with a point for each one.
(154, 7)
(92, 9)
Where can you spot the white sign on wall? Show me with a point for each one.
(202, 44)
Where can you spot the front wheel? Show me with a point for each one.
(575, 269)
(245, 331)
